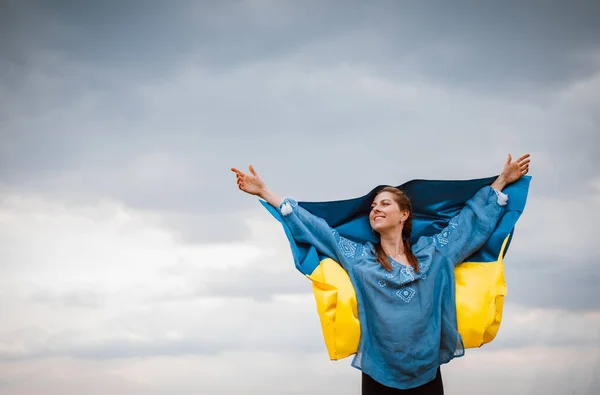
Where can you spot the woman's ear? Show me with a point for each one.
(405, 214)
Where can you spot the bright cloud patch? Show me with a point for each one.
(106, 281)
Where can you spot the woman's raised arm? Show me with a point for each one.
(254, 185)
(471, 228)
(304, 226)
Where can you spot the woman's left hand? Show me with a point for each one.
(514, 170)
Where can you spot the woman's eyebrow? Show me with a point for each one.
(382, 200)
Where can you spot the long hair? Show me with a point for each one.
(404, 203)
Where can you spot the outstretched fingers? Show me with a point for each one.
(240, 183)
(524, 158)
(524, 163)
(239, 173)
(251, 168)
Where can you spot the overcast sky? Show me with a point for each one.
(131, 264)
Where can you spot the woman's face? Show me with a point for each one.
(385, 213)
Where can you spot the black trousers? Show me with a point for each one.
(372, 387)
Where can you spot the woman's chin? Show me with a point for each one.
(377, 228)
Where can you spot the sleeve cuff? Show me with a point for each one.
(287, 206)
(502, 197)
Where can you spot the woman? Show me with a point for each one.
(405, 294)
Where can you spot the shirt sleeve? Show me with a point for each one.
(472, 227)
(310, 229)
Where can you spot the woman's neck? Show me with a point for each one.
(391, 242)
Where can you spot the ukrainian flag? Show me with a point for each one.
(480, 283)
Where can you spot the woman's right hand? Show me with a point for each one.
(250, 183)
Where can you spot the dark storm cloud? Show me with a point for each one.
(488, 44)
(150, 103)
(538, 42)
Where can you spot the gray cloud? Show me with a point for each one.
(115, 349)
(254, 281)
(74, 298)
(466, 41)
(165, 142)
(555, 283)
(149, 105)
(176, 327)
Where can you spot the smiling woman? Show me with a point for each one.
(391, 208)
(405, 294)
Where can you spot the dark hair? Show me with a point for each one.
(404, 203)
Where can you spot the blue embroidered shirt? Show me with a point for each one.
(408, 319)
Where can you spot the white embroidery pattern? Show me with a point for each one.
(349, 248)
(382, 283)
(365, 252)
(444, 236)
(406, 294)
(408, 273)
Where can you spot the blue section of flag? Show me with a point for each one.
(434, 202)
